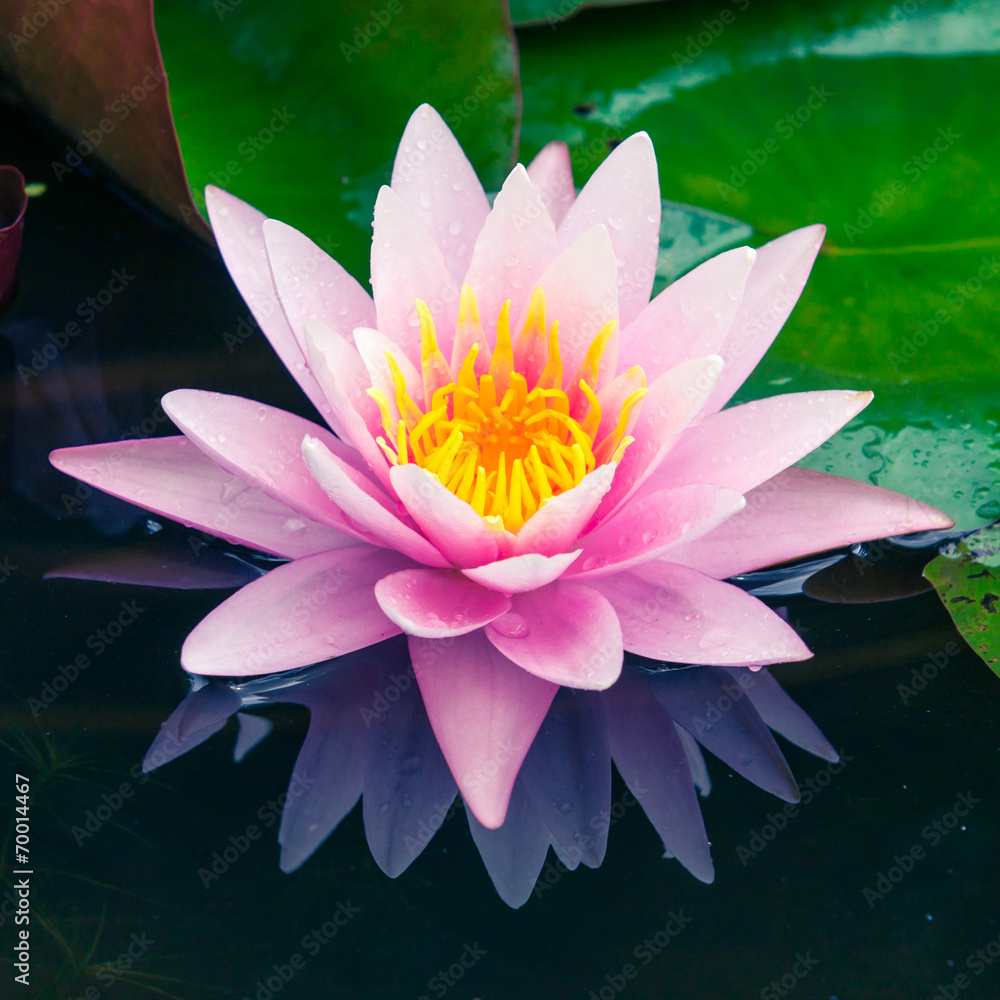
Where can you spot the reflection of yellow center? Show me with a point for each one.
(500, 446)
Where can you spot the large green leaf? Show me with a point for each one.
(905, 298)
(967, 579)
(297, 107)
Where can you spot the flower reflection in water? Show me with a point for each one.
(369, 737)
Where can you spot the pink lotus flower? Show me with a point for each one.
(529, 472)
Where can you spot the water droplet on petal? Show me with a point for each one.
(411, 764)
(454, 227)
(511, 625)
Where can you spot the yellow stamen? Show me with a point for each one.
(505, 438)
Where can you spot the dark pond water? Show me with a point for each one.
(118, 859)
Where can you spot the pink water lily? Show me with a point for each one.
(528, 469)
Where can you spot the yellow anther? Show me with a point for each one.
(505, 438)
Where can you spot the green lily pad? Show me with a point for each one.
(551, 12)
(298, 107)
(853, 114)
(967, 579)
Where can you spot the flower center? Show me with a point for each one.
(493, 441)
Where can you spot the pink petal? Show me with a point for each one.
(652, 761)
(238, 230)
(372, 346)
(312, 285)
(342, 374)
(779, 274)
(308, 610)
(260, 444)
(558, 522)
(674, 399)
(565, 632)
(434, 177)
(743, 446)
(365, 503)
(624, 195)
(799, 512)
(485, 712)
(450, 524)
(669, 612)
(515, 246)
(433, 604)
(648, 526)
(580, 293)
(689, 318)
(552, 174)
(407, 265)
(522, 573)
(170, 476)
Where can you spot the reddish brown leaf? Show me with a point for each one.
(13, 202)
(95, 70)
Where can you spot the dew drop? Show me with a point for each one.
(261, 413)
(411, 764)
(454, 227)
(511, 625)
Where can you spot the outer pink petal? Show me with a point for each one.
(552, 174)
(308, 610)
(312, 285)
(171, 476)
(522, 573)
(515, 246)
(580, 293)
(651, 525)
(434, 177)
(558, 522)
(365, 503)
(433, 604)
(485, 712)
(344, 379)
(238, 230)
(669, 612)
(689, 318)
(779, 274)
(674, 399)
(260, 444)
(407, 265)
(566, 633)
(799, 512)
(745, 445)
(624, 195)
(450, 524)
